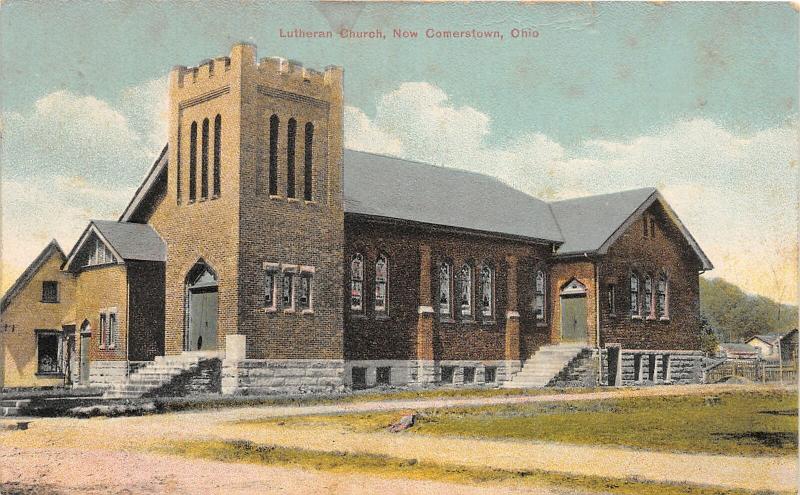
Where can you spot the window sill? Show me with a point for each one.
(275, 196)
(358, 316)
(271, 309)
(49, 302)
(201, 200)
(541, 323)
(190, 202)
(636, 317)
(216, 196)
(469, 321)
(288, 311)
(447, 320)
(56, 374)
(293, 200)
(488, 322)
(382, 317)
(307, 312)
(651, 318)
(310, 202)
(664, 319)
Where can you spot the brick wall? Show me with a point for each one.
(101, 288)
(394, 336)
(146, 282)
(667, 251)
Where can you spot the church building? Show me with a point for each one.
(260, 256)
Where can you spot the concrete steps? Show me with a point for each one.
(157, 374)
(12, 407)
(546, 364)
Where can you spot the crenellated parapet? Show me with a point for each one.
(272, 71)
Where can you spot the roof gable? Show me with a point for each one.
(52, 249)
(592, 224)
(126, 241)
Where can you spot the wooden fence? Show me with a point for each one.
(754, 370)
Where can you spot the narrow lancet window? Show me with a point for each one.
(445, 282)
(308, 173)
(217, 155)
(487, 291)
(539, 295)
(381, 284)
(291, 138)
(274, 123)
(193, 162)
(357, 282)
(204, 162)
(465, 290)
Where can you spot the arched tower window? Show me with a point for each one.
(465, 290)
(308, 172)
(445, 282)
(381, 284)
(204, 161)
(193, 162)
(274, 123)
(487, 291)
(357, 282)
(663, 296)
(539, 292)
(217, 155)
(291, 138)
(647, 302)
(634, 292)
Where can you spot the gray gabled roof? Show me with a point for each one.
(383, 186)
(592, 224)
(737, 347)
(128, 241)
(52, 249)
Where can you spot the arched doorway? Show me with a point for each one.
(86, 339)
(573, 312)
(201, 308)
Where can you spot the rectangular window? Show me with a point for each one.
(447, 374)
(304, 292)
(359, 377)
(357, 282)
(49, 291)
(288, 291)
(539, 296)
(665, 368)
(383, 375)
(113, 329)
(634, 295)
(269, 289)
(469, 375)
(662, 298)
(611, 293)
(490, 374)
(48, 353)
(465, 291)
(647, 302)
(103, 330)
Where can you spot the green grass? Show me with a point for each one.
(744, 423)
(215, 402)
(393, 467)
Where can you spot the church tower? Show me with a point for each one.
(253, 213)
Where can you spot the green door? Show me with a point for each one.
(203, 324)
(573, 319)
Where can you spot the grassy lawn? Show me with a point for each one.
(744, 423)
(392, 467)
(215, 402)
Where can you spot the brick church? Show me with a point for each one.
(260, 256)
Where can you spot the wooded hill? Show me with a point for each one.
(735, 315)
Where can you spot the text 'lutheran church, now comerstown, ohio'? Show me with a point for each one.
(260, 256)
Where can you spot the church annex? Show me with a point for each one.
(263, 257)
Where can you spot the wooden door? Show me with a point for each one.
(573, 319)
(203, 320)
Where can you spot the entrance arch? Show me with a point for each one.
(573, 312)
(202, 301)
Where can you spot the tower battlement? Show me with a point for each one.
(276, 70)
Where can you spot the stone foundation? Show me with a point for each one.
(424, 373)
(281, 376)
(652, 367)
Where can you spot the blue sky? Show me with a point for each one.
(699, 100)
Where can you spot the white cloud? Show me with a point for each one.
(732, 190)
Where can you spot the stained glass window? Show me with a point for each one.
(662, 296)
(634, 294)
(304, 292)
(357, 282)
(287, 300)
(538, 297)
(465, 290)
(445, 275)
(647, 302)
(381, 283)
(269, 290)
(487, 291)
